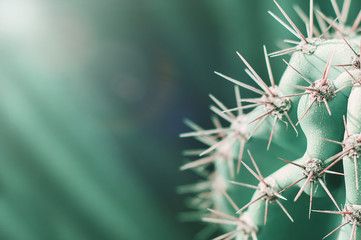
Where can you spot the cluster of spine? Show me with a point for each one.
(301, 129)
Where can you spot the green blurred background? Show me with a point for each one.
(92, 98)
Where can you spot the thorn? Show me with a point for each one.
(197, 163)
(332, 24)
(266, 212)
(243, 107)
(332, 141)
(296, 164)
(263, 115)
(221, 214)
(238, 99)
(290, 121)
(332, 212)
(221, 114)
(340, 88)
(216, 122)
(255, 165)
(230, 163)
(284, 210)
(299, 180)
(336, 9)
(296, 95)
(284, 51)
(311, 20)
(195, 127)
(240, 156)
(259, 178)
(250, 203)
(353, 50)
(254, 235)
(273, 129)
(328, 193)
(255, 100)
(306, 20)
(256, 127)
(356, 172)
(217, 145)
(290, 22)
(313, 101)
(306, 79)
(345, 124)
(335, 173)
(241, 84)
(230, 200)
(284, 24)
(353, 78)
(311, 196)
(243, 185)
(221, 105)
(335, 230)
(357, 22)
(280, 196)
(345, 10)
(327, 106)
(202, 133)
(338, 158)
(224, 236)
(259, 81)
(353, 231)
(327, 69)
(303, 187)
(192, 152)
(270, 74)
(321, 22)
(291, 41)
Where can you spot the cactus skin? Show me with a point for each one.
(293, 142)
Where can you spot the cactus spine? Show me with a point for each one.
(298, 134)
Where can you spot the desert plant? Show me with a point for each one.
(297, 134)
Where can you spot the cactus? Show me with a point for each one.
(299, 140)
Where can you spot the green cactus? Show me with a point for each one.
(292, 141)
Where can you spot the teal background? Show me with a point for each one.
(92, 97)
